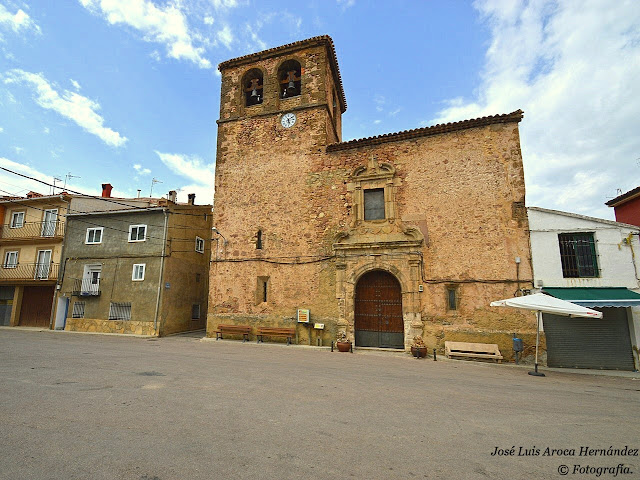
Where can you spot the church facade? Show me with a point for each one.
(384, 238)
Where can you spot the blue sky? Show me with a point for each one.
(124, 91)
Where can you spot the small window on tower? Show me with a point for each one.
(252, 87)
(259, 240)
(290, 78)
(374, 204)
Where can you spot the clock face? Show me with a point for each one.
(288, 120)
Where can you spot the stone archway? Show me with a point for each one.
(378, 318)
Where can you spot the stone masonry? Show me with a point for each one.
(453, 201)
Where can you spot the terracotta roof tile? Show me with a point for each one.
(320, 40)
(427, 131)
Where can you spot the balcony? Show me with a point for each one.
(86, 287)
(32, 230)
(29, 271)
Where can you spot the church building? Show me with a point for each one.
(383, 238)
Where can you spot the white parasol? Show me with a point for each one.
(541, 303)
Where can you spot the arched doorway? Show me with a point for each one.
(378, 311)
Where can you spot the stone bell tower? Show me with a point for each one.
(279, 109)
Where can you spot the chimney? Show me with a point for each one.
(106, 190)
(172, 196)
(192, 198)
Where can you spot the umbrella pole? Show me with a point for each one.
(535, 373)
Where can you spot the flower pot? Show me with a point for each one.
(419, 352)
(343, 346)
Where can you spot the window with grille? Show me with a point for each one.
(374, 204)
(195, 311)
(119, 311)
(578, 255)
(452, 298)
(137, 233)
(94, 235)
(78, 310)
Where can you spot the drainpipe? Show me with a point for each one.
(161, 279)
(54, 307)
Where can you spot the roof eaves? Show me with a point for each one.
(631, 194)
(427, 131)
(583, 217)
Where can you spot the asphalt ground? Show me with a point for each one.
(115, 407)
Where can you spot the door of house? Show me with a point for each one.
(49, 222)
(43, 265)
(36, 306)
(91, 279)
(378, 311)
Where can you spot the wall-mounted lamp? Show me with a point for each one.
(518, 260)
(214, 230)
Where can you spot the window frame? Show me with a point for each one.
(79, 305)
(371, 200)
(6, 264)
(14, 215)
(572, 254)
(199, 240)
(455, 290)
(137, 227)
(133, 272)
(193, 305)
(124, 307)
(94, 229)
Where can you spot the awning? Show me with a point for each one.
(596, 297)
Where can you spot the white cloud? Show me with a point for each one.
(225, 36)
(142, 171)
(257, 43)
(159, 24)
(46, 130)
(1, 129)
(71, 105)
(346, 3)
(377, 122)
(18, 21)
(194, 169)
(218, 4)
(18, 150)
(75, 84)
(208, 20)
(573, 67)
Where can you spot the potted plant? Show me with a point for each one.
(342, 342)
(418, 348)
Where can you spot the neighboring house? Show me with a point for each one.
(137, 270)
(594, 263)
(31, 240)
(383, 238)
(627, 207)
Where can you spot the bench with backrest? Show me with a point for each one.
(276, 332)
(472, 350)
(243, 330)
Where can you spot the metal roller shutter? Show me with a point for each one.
(589, 343)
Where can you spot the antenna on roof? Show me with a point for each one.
(67, 177)
(53, 188)
(153, 182)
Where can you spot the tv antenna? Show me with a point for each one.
(67, 177)
(154, 180)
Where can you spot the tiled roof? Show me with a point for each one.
(427, 131)
(625, 196)
(321, 40)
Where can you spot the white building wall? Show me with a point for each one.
(617, 247)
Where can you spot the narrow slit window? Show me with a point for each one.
(259, 240)
(452, 298)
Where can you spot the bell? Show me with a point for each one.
(254, 93)
(291, 87)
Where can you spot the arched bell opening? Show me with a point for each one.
(252, 86)
(290, 79)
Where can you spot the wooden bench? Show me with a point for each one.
(276, 332)
(472, 350)
(243, 330)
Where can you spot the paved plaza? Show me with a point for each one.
(79, 406)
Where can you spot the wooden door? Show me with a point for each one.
(378, 311)
(36, 306)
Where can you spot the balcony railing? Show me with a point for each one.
(33, 230)
(86, 287)
(29, 271)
